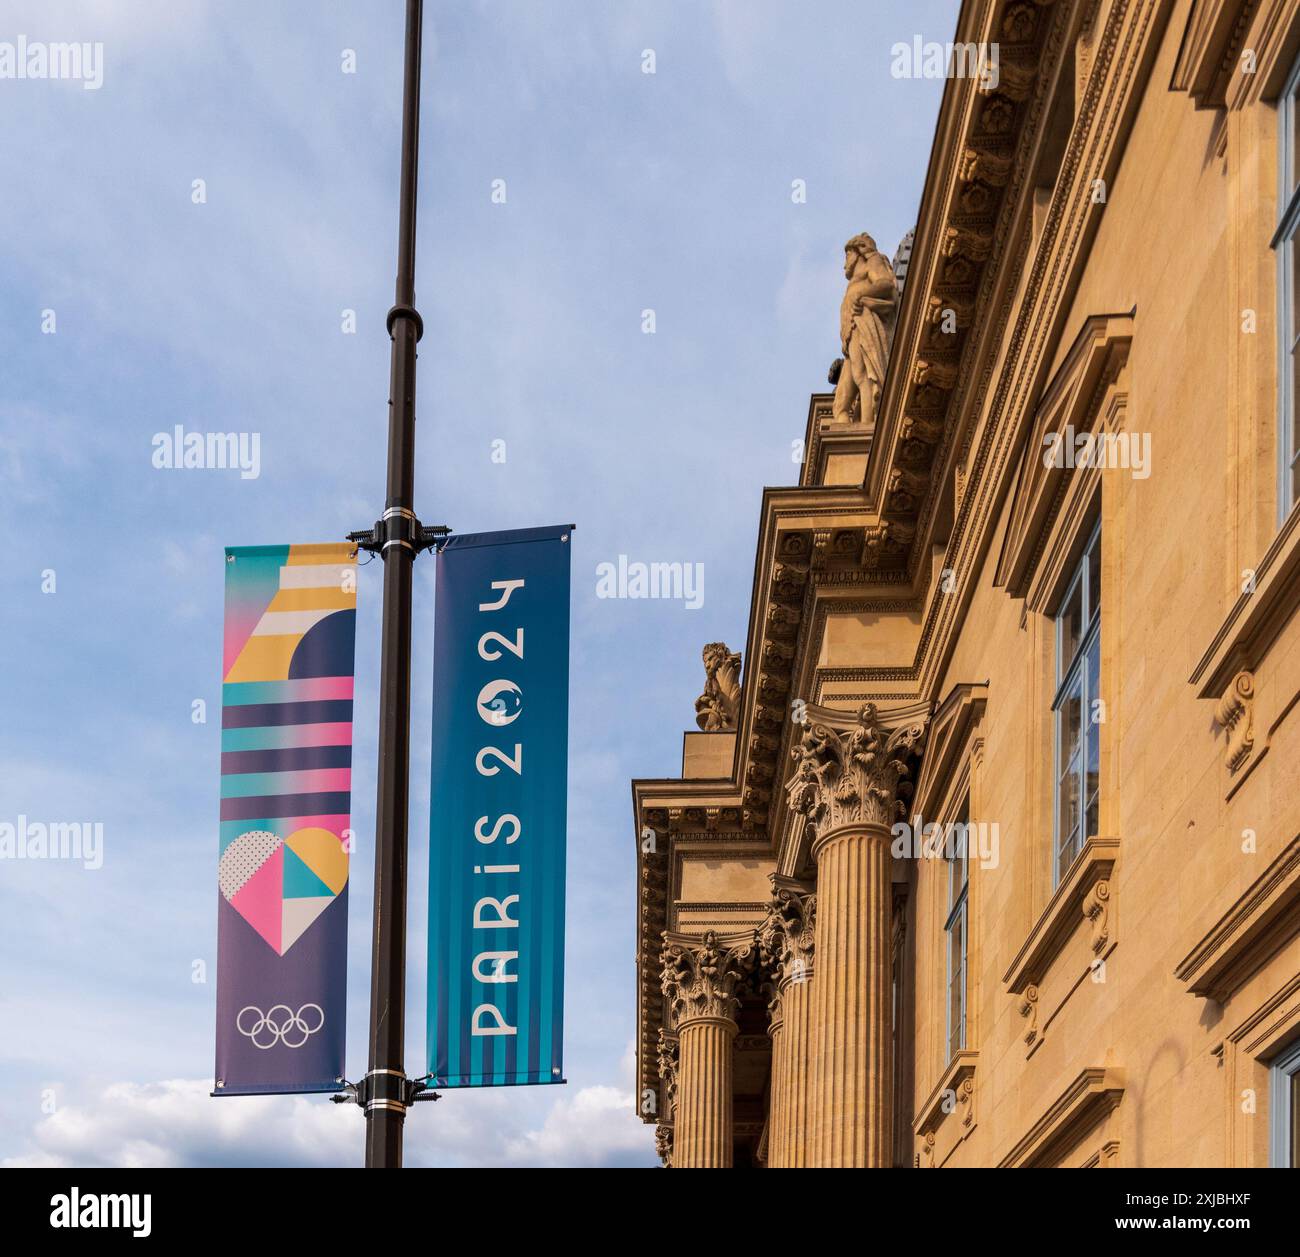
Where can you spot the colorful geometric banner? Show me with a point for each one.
(497, 810)
(286, 800)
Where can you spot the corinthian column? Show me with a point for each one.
(700, 983)
(847, 787)
(786, 940)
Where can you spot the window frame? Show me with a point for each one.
(1283, 1071)
(1284, 244)
(958, 911)
(1067, 674)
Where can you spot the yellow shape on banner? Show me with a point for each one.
(265, 658)
(323, 853)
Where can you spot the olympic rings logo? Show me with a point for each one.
(291, 1029)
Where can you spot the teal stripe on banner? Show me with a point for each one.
(498, 809)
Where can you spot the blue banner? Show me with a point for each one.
(497, 809)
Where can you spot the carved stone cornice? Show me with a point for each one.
(1071, 403)
(954, 1093)
(703, 979)
(853, 771)
(786, 939)
(1093, 1094)
(1085, 893)
(1208, 51)
(1262, 920)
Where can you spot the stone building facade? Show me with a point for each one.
(987, 849)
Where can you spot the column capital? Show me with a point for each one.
(668, 1059)
(787, 937)
(701, 980)
(664, 1143)
(853, 770)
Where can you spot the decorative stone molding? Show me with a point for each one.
(1071, 404)
(1084, 896)
(1077, 899)
(1094, 910)
(1028, 1009)
(1226, 671)
(703, 981)
(852, 773)
(1020, 21)
(715, 709)
(1234, 714)
(981, 166)
(928, 1151)
(966, 1101)
(950, 737)
(1261, 921)
(1087, 1101)
(954, 1093)
(1209, 49)
(932, 381)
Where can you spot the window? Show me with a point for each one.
(955, 928)
(1288, 281)
(1078, 740)
(1284, 1123)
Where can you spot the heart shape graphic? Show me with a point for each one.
(281, 885)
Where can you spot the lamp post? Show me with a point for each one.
(385, 1093)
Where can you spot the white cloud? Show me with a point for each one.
(177, 1123)
(597, 1126)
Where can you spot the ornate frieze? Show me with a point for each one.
(854, 774)
(703, 980)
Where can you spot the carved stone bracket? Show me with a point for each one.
(1235, 715)
(1028, 1009)
(1095, 910)
(853, 772)
(704, 980)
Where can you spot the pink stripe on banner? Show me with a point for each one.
(309, 780)
(307, 689)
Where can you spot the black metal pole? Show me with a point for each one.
(386, 1092)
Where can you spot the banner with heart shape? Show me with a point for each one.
(281, 885)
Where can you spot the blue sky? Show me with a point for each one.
(625, 192)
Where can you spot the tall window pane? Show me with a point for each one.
(955, 927)
(1077, 711)
(1288, 286)
(1284, 1105)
